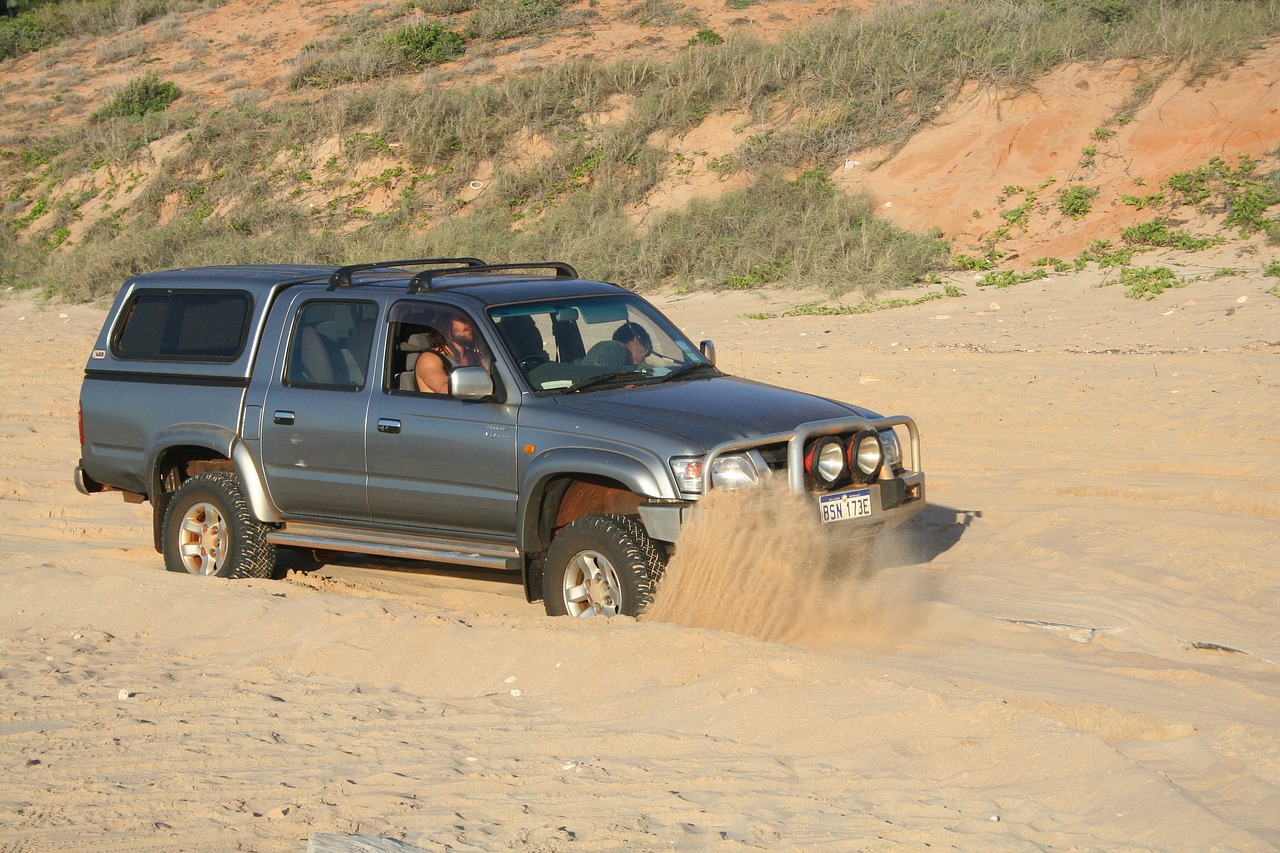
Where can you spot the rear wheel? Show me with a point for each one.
(208, 530)
(601, 565)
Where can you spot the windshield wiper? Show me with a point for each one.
(606, 379)
(689, 370)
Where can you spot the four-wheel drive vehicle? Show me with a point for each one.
(269, 405)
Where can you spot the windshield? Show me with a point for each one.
(571, 345)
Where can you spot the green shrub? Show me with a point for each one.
(420, 45)
(141, 95)
(1148, 282)
(1143, 202)
(1076, 201)
(1157, 234)
(1110, 11)
(1247, 208)
(968, 262)
(706, 38)
(1008, 278)
(757, 276)
(24, 34)
(1191, 186)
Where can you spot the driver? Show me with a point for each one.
(464, 350)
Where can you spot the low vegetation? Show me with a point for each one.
(248, 182)
(142, 95)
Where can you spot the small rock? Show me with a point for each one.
(125, 694)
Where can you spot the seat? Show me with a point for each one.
(315, 364)
(524, 340)
(417, 343)
(607, 354)
(356, 350)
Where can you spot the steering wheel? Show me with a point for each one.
(529, 362)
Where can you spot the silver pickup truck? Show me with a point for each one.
(265, 406)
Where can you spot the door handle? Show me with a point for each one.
(389, 425)
(283, 417)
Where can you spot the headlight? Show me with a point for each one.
(865, 456)
(892, 450)
(733, 471)
(688, 474)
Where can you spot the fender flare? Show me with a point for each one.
(223, 442)
(632, 473)
(211, 437)
(254, 485)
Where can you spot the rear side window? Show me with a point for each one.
(331, 344)
(175, 325)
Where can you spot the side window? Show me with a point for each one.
(419, 327)
(331, 343)
(176, 325)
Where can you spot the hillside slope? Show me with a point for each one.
(1041, 170)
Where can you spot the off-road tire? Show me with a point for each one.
(601, 565)
(208, 530)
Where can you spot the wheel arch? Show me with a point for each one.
(561, 485)
(182, 452)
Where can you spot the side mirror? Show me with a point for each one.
(708, 350)
(470, 383)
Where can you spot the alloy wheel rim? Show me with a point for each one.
(202, 539)
(591, 586)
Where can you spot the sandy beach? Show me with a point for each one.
(1076, 647)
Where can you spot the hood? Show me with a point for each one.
(710, 411)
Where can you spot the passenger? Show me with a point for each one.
(431, 370)
(630, 344)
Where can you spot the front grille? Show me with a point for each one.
(775, 456)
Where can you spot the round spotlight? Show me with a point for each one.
(825, 461)
(865, 456)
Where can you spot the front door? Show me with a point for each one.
(434, 462)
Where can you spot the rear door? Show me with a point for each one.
(313, 420)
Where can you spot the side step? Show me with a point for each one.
(461, 552)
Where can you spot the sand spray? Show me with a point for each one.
(760, 562)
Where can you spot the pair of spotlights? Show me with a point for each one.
(832, 461)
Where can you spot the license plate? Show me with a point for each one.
(845, 506)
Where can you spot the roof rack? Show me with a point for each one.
(342, 275)
(422, 281)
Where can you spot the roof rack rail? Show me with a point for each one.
(422, 281)
(342, 275)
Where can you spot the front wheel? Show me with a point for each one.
(601, 565)
(208, 530)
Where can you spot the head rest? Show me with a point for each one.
(422, 341)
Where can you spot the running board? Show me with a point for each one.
(461, 552)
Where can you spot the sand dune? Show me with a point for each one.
(1076, 647)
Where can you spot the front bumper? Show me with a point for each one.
(895, 496)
